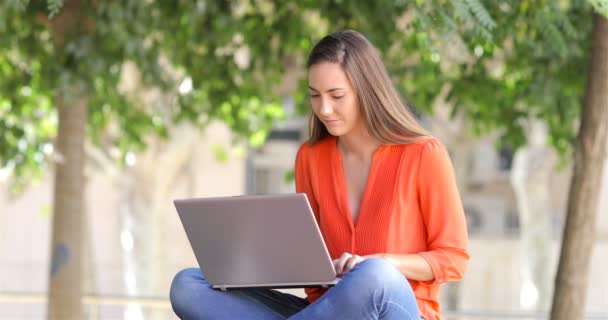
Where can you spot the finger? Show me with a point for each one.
(339, 263)
(352, 262)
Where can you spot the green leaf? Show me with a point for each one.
(482, 15)
(601, 6)
(54, 6)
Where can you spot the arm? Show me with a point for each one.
(443, 215)
(413, 266)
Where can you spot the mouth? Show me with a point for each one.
(330, 122)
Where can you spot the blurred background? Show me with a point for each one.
(109, 110)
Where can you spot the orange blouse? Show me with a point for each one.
(410, 205)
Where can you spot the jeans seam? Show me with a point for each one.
(369, 315)
(403, 308)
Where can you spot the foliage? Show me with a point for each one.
(504, 61)
(545, 52)
(35, 70)
(601, 6)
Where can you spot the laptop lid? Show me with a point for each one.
(257, 241)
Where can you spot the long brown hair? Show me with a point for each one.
(387, 117)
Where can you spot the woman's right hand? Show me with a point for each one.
(346, 262)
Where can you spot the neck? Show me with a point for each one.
(359, 144)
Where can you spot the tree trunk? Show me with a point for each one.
(64, 297)
(65, 282)
(579, 232)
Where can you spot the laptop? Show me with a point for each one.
(264, 241)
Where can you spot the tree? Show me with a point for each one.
(541, 78)
(538, 76)
(590, 156)
(72, 60)
(46, 58)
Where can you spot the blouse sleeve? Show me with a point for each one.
(303, 178)
(443, 214)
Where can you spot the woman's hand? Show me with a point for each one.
(346, 262)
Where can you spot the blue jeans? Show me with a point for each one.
(373, 289)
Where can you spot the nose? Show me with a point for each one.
(326, 108)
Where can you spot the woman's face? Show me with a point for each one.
(333, 99)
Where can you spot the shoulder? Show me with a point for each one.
(319, 149)
(421, 148)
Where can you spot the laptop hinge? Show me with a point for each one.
(223, 288)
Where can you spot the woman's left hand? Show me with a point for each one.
(346, 262)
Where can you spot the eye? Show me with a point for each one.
(337, 97)
(314, 95)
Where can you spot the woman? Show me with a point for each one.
(384, 195)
